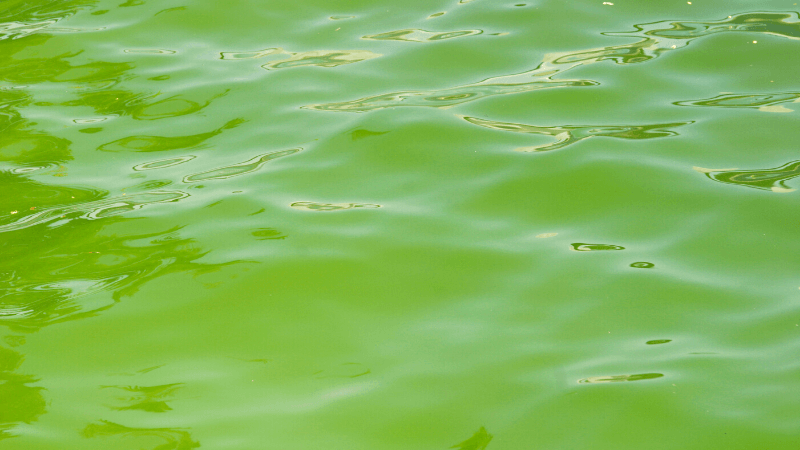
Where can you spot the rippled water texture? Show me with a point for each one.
(400, 225)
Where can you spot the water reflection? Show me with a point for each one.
(478, 441)
(569, 134)
(766, 179)
(417, 35)
(144, 438)
(655, 39)
(620, 378)
(762, 102)
(445, 97)
(25, 199)
(314, 206)
(162, 163)
(319, 58)
(19, 402)
(234, 170)
(60, 215)
(580, 247)
(322, 58)
(164, 143)
(49, 269)
(250, 55)
(22, 18)
(145, 398)
(63, 243)
(20, 143)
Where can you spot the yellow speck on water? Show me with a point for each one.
(13, 212)
(546, 235)
(755, 42)
(608, 3)
(688, 3)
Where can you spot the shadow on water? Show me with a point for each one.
(19, 402)
(48, 269)
(153, 438)
(145, 398)
(479, 441)
(163, 143)
(654, 40)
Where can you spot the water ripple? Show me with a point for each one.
(314, 206)
(655, 39)
(581, 247)
(762, 102)
(234, 170)
(162, 163)
(322, 58)
(417, 35)
(16, 30)
(443, 98)
(570, 134)
(319, 58)
(765, 179)
(620, 378)
(164, 143)
(94, 210)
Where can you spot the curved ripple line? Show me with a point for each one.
(250, 55)
(765, 179)
(234, 170)
(417, 35)
(322, 58)
(762, 102)
(620, 378)
(17, 30)
(443, 98)
(144, 143)
(319, 58)
(656, 39)
(314, 206)
(96, 209)
(571, 134)
(162, 163)
(581, 247)
(63, 291)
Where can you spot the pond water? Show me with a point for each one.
(399, 225)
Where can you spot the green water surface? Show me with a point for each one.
(399, 225)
